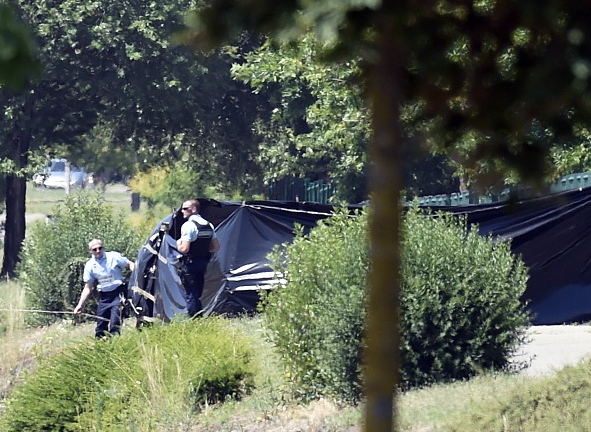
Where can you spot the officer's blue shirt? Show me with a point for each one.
(107, 271)
(189, 230)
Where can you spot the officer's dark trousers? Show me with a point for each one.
(110, 308)
(193, 281)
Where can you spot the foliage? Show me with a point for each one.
(152, 102)
(53, 255)
(320, 124)
(460, 306)
(117, 384)
(521, 123)
(568, 158)
(319, 127)
(149, 184)
(144, 221)
(170, 185)
(17, 58)
(316, 320)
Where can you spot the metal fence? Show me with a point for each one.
(566, 183)
(297, 189)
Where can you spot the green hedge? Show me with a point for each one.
(460, 309)
(316, 320)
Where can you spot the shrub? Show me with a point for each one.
(53, 255)
(125, 382)
(316, 321)
(169, 185)
(460, 307)
(460, 300)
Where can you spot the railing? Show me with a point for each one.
(297, 189)
(566, 183)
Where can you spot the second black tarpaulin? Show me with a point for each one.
(552, 234)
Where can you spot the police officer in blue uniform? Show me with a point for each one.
(104, 268)
(197, 243)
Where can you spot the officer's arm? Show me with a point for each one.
(214, 245)
(83, 297)
(183, 246)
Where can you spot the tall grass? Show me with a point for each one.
(473, 404)
(12, 301)
(22, 346)
(12, 360)
(268, 407)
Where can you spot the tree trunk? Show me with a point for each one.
(382, 355)
(16, 190)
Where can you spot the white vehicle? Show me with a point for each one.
(56, 175)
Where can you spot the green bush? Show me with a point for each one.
(461, 311)
(460, 308)
(316, 321)
(53, 255)
(131, 382)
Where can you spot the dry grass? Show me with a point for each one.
(322, 415)
(22, 346)
(267, 408)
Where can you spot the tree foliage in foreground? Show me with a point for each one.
(116, 95)
(447, 55)
(460, 307)
(18, 63)
(496, 85)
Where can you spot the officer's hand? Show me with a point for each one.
(78, 309)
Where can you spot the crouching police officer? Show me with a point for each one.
(197, 243)
(105, 268)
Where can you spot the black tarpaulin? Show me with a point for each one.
(241, 269)
(552, 234)
(247, 233)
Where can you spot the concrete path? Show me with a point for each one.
(553, 347)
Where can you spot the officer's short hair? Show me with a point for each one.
(195, 203)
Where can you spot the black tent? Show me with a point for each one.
(552, 234)
(247, 232)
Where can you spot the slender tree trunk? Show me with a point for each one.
(382, 354)
(16, 190)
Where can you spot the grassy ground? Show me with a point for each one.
(461, 406)
(269, 407)
(42, 201)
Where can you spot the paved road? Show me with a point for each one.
(553, 347)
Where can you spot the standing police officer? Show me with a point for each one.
(105, 268)
(198, 241)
